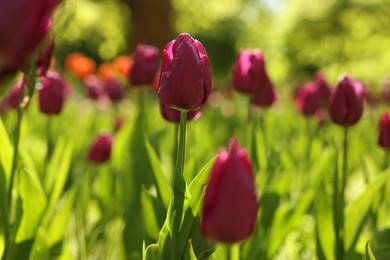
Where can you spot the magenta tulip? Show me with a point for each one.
(308, 99)
(346, 102)
(23, 26)
(384, 131)
(173, 115)
(185, 80)
(145, 65)
(11, 100)
(94, 86)
(114, 90)
(51, 94)
(100, 150)
(230, 207)
(265, 96)
(249, 73)
(323, 89)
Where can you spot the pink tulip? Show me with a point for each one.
(308, 99)
(100, 150)
(384, 131)
(145, 65)
(51, 94)
(173, 115)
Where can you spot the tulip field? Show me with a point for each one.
(149, 157)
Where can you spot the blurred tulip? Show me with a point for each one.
(386, 91)
(230, 207)
(323, 89)
(51, 93)
(11, 100)
(265, 96)
(384, 131)
(119, 121)
(23, 27)
(173, 115)
(80, 65)
(100, 150)
(44, 59)
(307, 99)
(93, 86)
(249, 73)
(185, 79)
(145, 65)
(346, 102)
(114, 90)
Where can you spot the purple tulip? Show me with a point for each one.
(145, 65)
(265, 96)
(346, 102)
(384, 131)
(94, 86)
(114, 90)
(173, 115)
(308, 99)
(230, 207)
(100, 150)
(185, 80)
(51, 94)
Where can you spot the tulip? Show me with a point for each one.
(307, 100)
(114, 90)
(384, 131)
(173, 115)
(119, 122)
(23, 27)
(100, 150)
(386, 91)
(265, 96)
(94, 86)
(346, 102)
(51, 94)
(185, 80)
(145, 65)
(44, 59)
(230, 207)
(249, 73)
(11, 100)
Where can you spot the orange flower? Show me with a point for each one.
(80, 65)
(106, 71)
(122, 64)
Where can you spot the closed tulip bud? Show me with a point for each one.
(44, 59)
(11, 100)
(307, 99)
(384, 131)
(346, 102)
(173, 115)
(100, 150)
(23, 27)
(51, 93)
(185, 79)
(265, 96)
(249, 73)
(230, 207)
(94, 86)
(145, 65)
(114, 90)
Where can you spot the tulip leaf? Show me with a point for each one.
(163, 186)
(33, 203)
(190, 254)
(369, 254)
(6, 153)
(357, 211)
(324, 228)
(149, 204)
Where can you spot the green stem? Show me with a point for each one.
(386, 159)
(342, 191)
(263, 132)
(141, 107)
(49, 142)
(228, 252)
(310, 139)
(179, 186)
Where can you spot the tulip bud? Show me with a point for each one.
(384, 131)
(249, 73)
(346, 102)
(307, 99)
(100, 150)
(229, 206)
(145, 65)
(11, 100)
(114, 90)
(185, 80)
(173, 115)
(51, 94)
(265, 96)
(94, 86)
(24, 25)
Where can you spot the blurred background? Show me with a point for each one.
(297, 37)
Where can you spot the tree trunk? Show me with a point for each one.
(151, 22)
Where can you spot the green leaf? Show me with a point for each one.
(150, 219)
(358, 210)
(6, 153)
(163, 186)
(369, 254)
(190, 254)
(33, 203)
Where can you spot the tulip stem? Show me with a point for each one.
(49, 142)
(386, 159)
(342, 192)
(179, 188)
